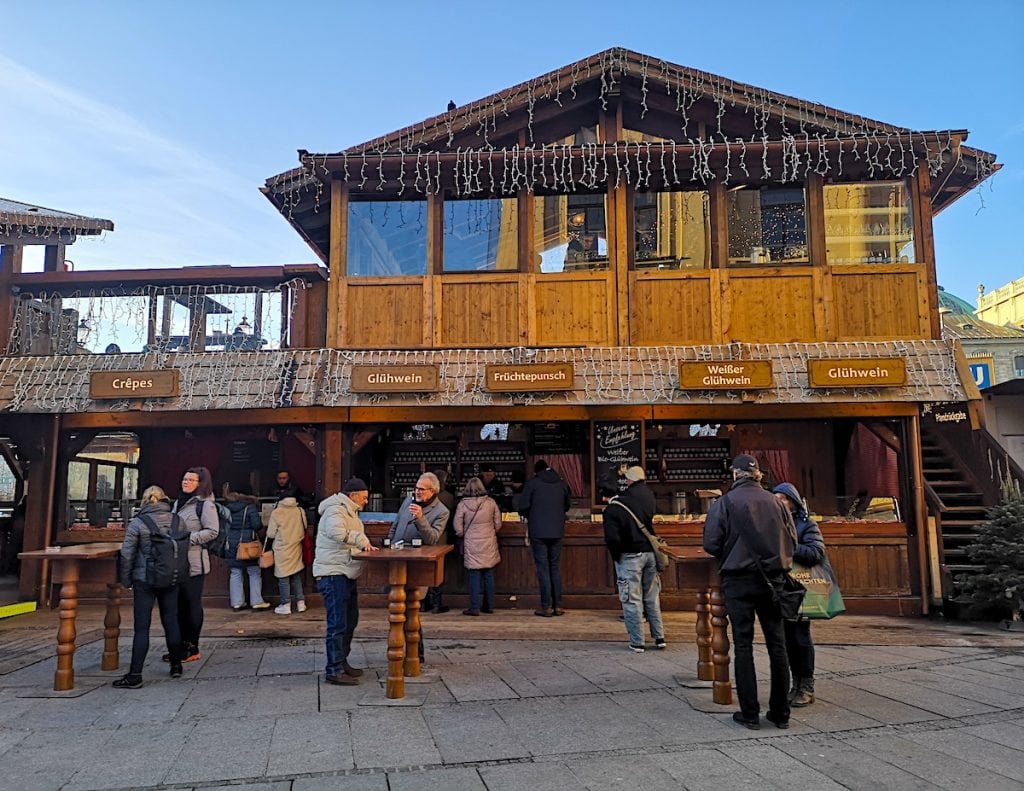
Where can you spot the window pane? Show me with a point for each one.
(8, 483)
(672, 230)
(570, 232)
(78, 480)
(130, 484)
(869, 223)
(767, 225)
(481, 235)
(106, 479)
(387, 238)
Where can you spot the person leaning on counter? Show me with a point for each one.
(421, 516)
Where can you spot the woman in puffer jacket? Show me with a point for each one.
(245, 526)
(287, 528)
(809, 551)
(197, 510)
(477, 522)
(135, 552)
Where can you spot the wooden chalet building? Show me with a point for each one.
(623, 260)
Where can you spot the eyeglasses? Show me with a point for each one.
(422, 489)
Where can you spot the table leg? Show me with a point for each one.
(721, 688)
(111, 627)
(64, 678)
(705, 668)
(395, 687)
(412, 632)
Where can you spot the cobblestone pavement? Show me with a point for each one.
(508, 702)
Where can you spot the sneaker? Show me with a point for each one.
(128, 682)
(237, 607)
(636, 649)
(176, 670)
(263, 605)
(193, 656)
(779, 722)
(344, 680)
(753, 724)
(301, 606)
(660, 644)
(283, 609)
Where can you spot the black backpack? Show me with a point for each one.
(167, 562)
(219, 544)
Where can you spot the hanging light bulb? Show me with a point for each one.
(82, 334)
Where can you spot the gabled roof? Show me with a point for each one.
(25, 223)
(709, 122)
(964, 326)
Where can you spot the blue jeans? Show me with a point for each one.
(747, 595)
(236, 585)
(547, 557)
(341, 602)
(294, 583)
(142, 609)
(636, 576)
(474, 588)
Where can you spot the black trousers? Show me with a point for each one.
(142, 606)
(190, 609)
(747, 595)
(799, 649)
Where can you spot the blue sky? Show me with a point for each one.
(166, 117)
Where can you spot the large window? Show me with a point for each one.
(672, 230)
(869, 223)
(767, 225)
(571, 232)
(387, 238)
(481, 235)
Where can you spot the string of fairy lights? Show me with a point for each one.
(611, 375)
(116, 319)
(790, 140)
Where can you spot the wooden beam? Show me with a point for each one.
(53, 258)
(336, 330)
(924, 244)
(214, 418)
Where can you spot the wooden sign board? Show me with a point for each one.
(617, 443)
(134, 384)
(726, 375)
(529, 378)
(394, 379)
(859, 372)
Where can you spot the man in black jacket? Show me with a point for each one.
(752, 536)
(544, 502)
(636, 571)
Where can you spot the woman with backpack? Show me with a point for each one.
(477, 522)
(138, 572)
(197, 510)
(245, 526)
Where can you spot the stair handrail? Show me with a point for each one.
(1002, 469)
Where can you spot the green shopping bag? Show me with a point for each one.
(823, 599)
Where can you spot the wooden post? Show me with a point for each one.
(337, 265)
(924, 244)
(111, 627)
(920, 508)
(397, 575)
(721, 688)
(64, 678)
(53, 258)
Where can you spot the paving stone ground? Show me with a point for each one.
(516, 703)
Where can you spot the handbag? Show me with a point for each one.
(307, 543)
(823, 599)
(267, 556)
(248, 550)
(658, 544)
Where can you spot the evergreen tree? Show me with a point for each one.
(998, 588)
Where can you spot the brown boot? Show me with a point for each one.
(804, 695)
(355, 672)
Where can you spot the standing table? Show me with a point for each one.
(67, 570)
(408, 570)
(712, 636)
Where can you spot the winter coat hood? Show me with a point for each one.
(791, 492)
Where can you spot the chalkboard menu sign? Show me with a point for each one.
(617, 443)
(558, 438)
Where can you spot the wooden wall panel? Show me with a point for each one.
(880, 303)
(382, 314)
(575, 311)
(479, 312)
(768, 305)
(670, 310)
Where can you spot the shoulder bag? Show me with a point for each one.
(658, 544)
(267, 556)
(823, 599)
(248, 550)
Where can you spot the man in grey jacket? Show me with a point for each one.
(340, 538)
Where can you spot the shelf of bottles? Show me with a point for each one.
(506, 457)
(410, 460)
(682, 461)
